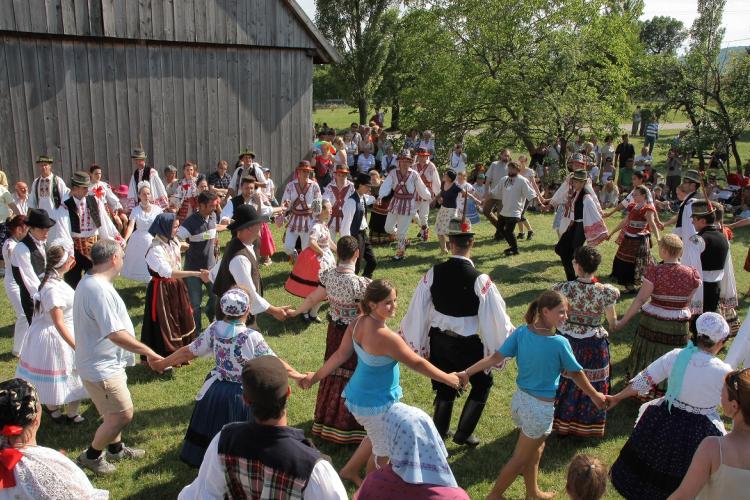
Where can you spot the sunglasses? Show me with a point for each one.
(734, 381)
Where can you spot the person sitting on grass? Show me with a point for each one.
(541, 356)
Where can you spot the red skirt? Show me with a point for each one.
(304, 278)
(267, 246)
(747, 261)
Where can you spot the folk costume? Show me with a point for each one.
(579, 218)
(354, 223)
(657, 455)
(48, 193)
(663, 324)
(83, 223)
(337, 196)
(451, 303)
(575, 413)
(379, 215)
(253, 169)
(430, 178)
(168, 321)
(634, 253)
(402, 207)
(185, 198)
(684, 227)
(304, 277)
(104, 192)
(134, 265)
(13, 292)
(333, 421)
(149, 174)
(29, 260)
(708, 252)
(301, 219)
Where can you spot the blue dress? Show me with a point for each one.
(374, 387)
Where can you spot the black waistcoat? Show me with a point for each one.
(225, 280)
(359, 214)
(146, 177)
(682, 208)
(38, 263)
(453, 288)
(75, 220)
(714, 256)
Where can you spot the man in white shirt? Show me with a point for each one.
(48, 191)
(498, 169)
(105, 345)
(511, 193)
(247, 166)
(428, 143)
(457, 159)
(29, 258)
(240, 265)
(354, 223)
(289, 464)
(641, 159)
(21, 198)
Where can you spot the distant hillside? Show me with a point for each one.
(727, 53)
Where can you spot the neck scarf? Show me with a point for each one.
(417, 452)
(678, 373)
(162, 226)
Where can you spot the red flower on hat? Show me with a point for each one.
(464, 227)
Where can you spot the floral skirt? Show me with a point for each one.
(443, 219)
(222, 404)
(632, 258)
(654, 338)
(333, 421)
(656, 457)
(575, 413)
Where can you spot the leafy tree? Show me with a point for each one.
(361, 31)
(663, 35)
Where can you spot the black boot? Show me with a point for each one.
(442, 416)
(468, 422)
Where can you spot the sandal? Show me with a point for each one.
(77, 419)
(60, 419)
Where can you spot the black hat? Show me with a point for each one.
(38, 218)
(363, 179)
(264, 379)
(245, 216)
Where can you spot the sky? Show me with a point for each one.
(736, 16)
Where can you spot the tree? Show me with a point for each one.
(523, 71)
(361, 31)
(663, 35)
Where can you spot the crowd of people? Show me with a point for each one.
(74, 338)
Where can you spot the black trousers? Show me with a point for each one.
(366, 254)
(571, 240)
(711, 292)
(506, 227)
(455, 354)
(75, 273)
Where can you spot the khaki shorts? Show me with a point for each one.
(111, 395)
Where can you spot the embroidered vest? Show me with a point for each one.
(146, 175)
(54, 189)
(91, 205)
(453, 288)
(401, 191)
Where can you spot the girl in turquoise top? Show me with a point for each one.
(374, 387)
(541, 355)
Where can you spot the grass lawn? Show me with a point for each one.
(163, 405)
(341, 117)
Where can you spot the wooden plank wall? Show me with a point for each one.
(85, 102)
(268, 23)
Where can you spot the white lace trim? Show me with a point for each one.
(44, 474)
(661, 313)
(642, 383)
(598, 332)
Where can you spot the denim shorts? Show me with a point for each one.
(532, 415)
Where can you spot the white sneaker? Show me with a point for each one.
(98, 465)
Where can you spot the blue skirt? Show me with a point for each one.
(657, 455)
(221, 405)
(471, 212)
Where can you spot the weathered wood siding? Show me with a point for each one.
(86, 101)
(269, 23)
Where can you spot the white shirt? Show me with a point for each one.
(739, 352)
(498, 169)
(430, 146)
(324, 483)
(164, 258)
(21, 258)
(227, 213)
(514, 195)
(458, 162)
(110, 198)
(255, 169)
(387, 161)
(241, 270)
(23, 205)
(349, 209)
(365, 164)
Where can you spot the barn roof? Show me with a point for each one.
(327, 54)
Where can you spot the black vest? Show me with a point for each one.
(578, 206)
(93, 207)
(682, 208)
(714, 256)
(38, 263)
(359, 214)
(453, 288)
(225, 280)
(146, 177)
(283, 449)
(54, 191)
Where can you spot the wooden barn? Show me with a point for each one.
(84, 81)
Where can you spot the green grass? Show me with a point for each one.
(163, 405)
(341, 117)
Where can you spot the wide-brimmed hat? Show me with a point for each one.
(81, 179)
(246, 152)
(423, 152)
(38, 217)
(702, 208)
(246, 216)
(458, 227)
(123, 189)
(341, 169)
(305, 165)
(579, 175)
(44, 159)
(404, 154)
(692, 176)
(138, 154)
(577, 158)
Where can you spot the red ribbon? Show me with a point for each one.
(9, 457)
(594, 280)
(11, 430)
(99, 191)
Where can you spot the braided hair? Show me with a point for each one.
(55, 254)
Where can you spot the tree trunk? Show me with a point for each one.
(736, 155)
(395, 116)
(362, 105)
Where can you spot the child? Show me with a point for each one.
(541, 355)
(270, 188)
(479, 186)
(587, 478)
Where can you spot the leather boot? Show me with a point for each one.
(468, 422)
(442, 416)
